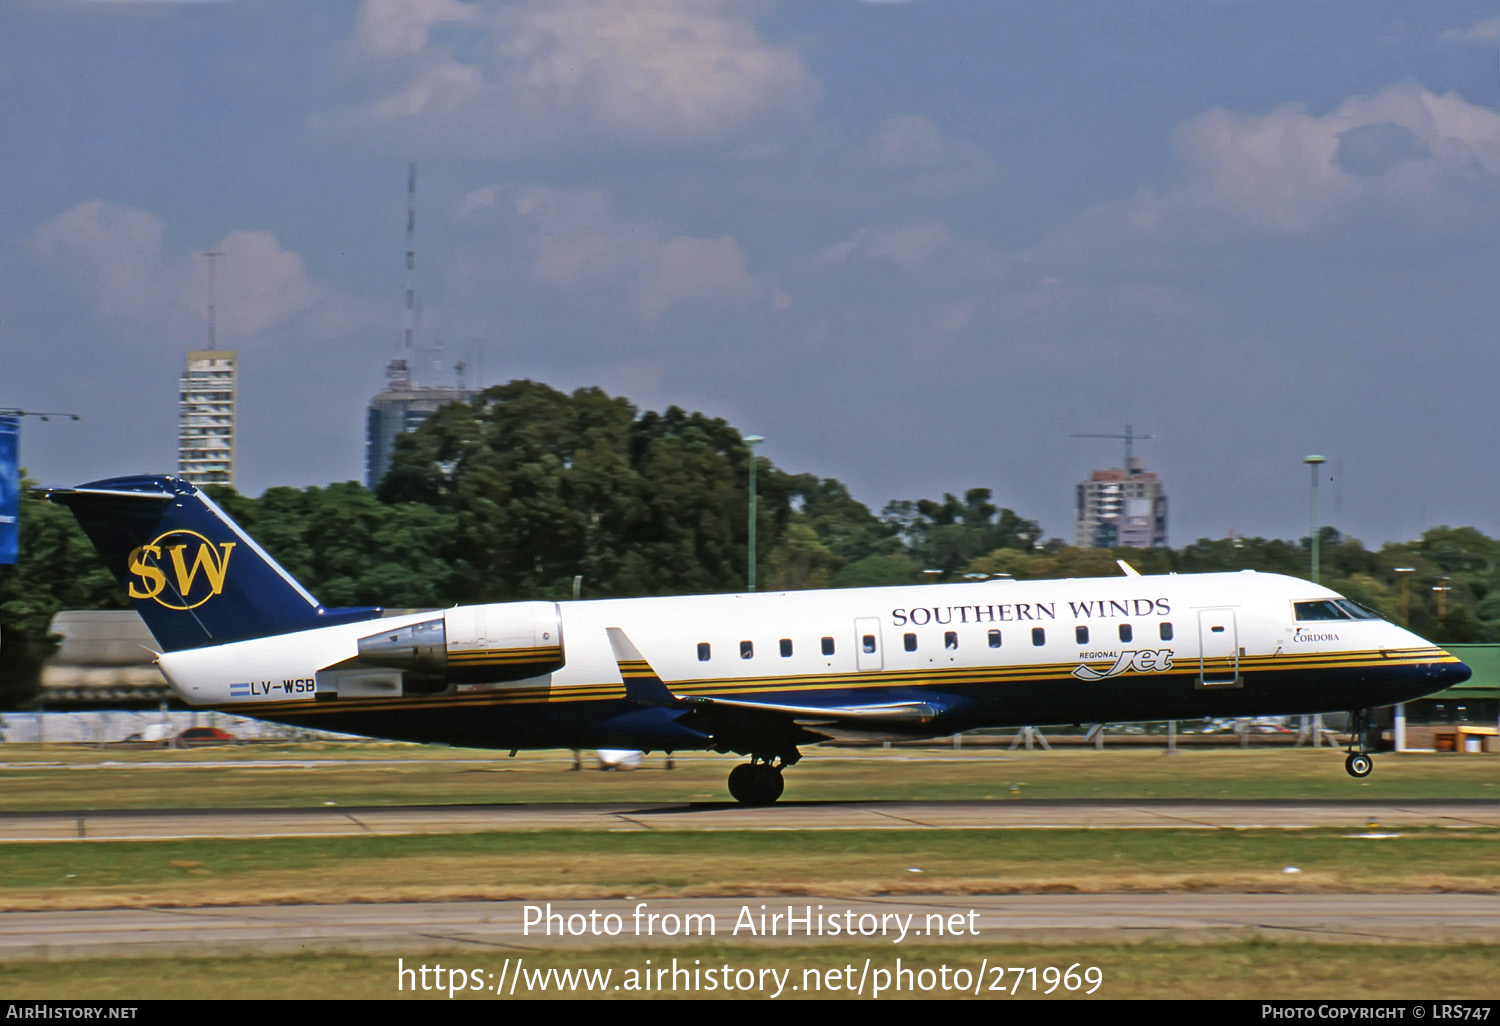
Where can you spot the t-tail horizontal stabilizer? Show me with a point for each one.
(192, 574)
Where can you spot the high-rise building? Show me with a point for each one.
(402, 407)
(206, 417)
(1121, 508)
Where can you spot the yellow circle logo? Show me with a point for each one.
(180, 569)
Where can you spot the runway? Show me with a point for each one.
(105, 825)
(500, 928)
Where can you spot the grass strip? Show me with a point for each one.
(559, 864)
(1245, 970)
(35, 777)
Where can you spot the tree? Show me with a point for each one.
(949, 535)
(544, 486)
(57, 568)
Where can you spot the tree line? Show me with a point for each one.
(516, 493)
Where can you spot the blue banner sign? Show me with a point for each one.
(10, 488)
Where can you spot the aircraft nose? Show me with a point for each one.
(1450, 671)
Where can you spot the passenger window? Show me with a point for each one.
(868, 641)
(994, 639)
(950, 639)
(1166, 632)
(786, 648)
(910, 640)
(1125, 632)
(703, 651)
(1038, 636)
(747, 649)
(828, 646)
(1081, 635)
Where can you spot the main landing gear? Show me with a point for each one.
(756, 782)
(1358, 763)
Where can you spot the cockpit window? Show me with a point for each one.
(1323, 609)
(1358, 611)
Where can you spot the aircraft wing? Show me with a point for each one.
(887, 720)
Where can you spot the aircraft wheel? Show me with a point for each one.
(739, 782)
(1359, 765)
(755, 783)
(772, 784)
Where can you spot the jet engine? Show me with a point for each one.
(490, 644)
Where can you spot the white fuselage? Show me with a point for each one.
(1090, 630)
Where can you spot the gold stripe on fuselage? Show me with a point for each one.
(858, 680)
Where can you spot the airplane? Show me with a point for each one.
(760, 674)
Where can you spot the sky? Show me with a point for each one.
(916, 245)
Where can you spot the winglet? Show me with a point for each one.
(1129, 570)
(642, 684)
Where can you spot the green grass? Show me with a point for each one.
(1249, 970)
(63, 777)
(590, 863)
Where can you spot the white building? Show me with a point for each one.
(206, 417)
(1121, 508)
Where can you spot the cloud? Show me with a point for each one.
(579, 245)
(116, 255)
(259, 284)
(909, 246)
(1293, 171)
(486, 198)
(390, 29)
(1486, 31)
(941, 166)
(1370, 151)
(686, 269)
(116, 251)
(492, 76)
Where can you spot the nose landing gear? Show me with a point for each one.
(1358, 763)
(756, 782)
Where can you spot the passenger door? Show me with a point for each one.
(1218, 649)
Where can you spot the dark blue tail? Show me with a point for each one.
(193, 575)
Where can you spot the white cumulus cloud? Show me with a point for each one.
(115, 252)
(1484, 31)
(914, 144)
(485, 75)
(116, 256)
(1291, 170)
(578, 244)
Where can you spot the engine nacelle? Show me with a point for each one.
(490, 644)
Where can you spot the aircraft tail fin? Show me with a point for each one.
(194, 576)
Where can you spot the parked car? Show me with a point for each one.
(195, 736)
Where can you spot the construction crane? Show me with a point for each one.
(1129, 437)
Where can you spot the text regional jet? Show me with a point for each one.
(756, 674)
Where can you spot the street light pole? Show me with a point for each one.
(1312, 463)
(1441, 589)
(752, 441)
(1405, 572)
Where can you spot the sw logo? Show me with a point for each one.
(1144, 660)
(170, 552)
